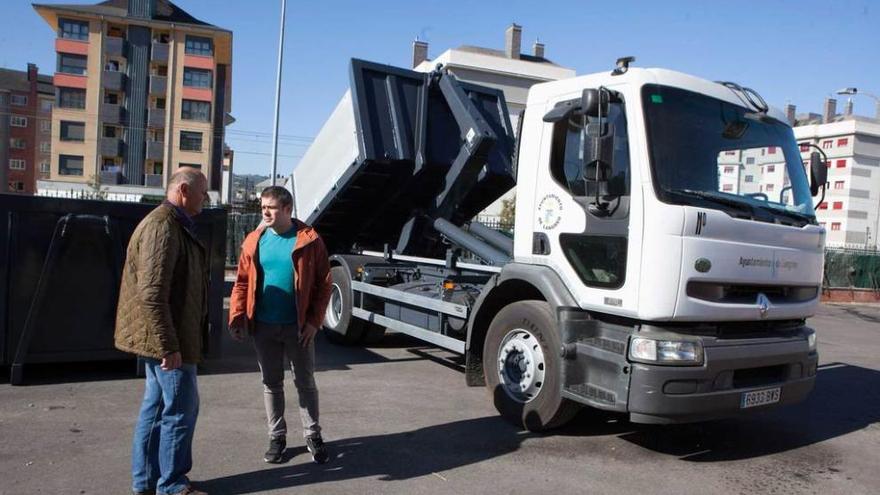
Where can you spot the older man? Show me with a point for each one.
(162, 317)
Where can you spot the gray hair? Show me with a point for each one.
(185, 175)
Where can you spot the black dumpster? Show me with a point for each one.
(61, 262)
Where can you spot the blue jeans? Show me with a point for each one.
(162, 451)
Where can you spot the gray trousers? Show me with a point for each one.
(277, 345)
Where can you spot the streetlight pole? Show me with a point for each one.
(855, 91)
(278, 95)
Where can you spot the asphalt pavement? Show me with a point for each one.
(398, 418)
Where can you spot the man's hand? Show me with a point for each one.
(237, 329)
(307, 335)
(171, 361)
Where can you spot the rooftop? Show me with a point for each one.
(17, 80)
(166, 11)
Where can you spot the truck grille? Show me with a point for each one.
(756, 377)
(748, 294)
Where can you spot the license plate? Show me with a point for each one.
(760, 397)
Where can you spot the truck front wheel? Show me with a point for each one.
(522, 366)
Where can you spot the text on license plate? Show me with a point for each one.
(760, 397)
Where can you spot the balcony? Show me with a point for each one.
(112, 178)
(112, 114)
(114, 47)
(110, 147)
(113, 80)
(155, 150)
(156, 118)
(159, 52)
(153, 180)
(158, 85)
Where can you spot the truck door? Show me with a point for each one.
(590, 160)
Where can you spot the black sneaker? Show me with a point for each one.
(275, 454)
(317, 448)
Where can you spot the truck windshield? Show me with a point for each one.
(711, 153)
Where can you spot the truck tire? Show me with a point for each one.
(522, 367)
(340, 325)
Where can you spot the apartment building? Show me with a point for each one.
(851, 209)
(25, 127)
(509, 70)
(142, 88)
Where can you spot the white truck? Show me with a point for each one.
(665, 254)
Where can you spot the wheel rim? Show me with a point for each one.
(521, 365)
(334, 309)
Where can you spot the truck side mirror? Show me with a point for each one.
(818, 173)
(594, 102)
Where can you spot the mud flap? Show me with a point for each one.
(594, 368)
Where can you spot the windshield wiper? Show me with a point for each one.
(724, 200)
(787, 213)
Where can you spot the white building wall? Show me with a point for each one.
(852, 199)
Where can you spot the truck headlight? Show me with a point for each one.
(811, 341)
(666, 351)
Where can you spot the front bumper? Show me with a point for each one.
(681, 394)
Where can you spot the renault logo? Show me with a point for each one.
(763, 304)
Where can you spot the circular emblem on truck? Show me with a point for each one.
(549, 212)
(703, 265)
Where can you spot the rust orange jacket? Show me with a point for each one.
(312, 277)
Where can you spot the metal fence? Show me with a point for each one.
(856, 268)
(239, 223)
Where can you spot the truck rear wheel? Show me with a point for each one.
(522, 366)
(341, 326)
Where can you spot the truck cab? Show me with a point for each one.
(678, 218)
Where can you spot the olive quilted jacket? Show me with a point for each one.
(163, 298)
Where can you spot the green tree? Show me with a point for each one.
(508, 211)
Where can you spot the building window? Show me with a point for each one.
(841, 163)
(827, 144)
(196, 78)
(70, 165)
(838, 205)
(73, 30)
(18, 100)
(195, 110)
(160, 103)
(44, 168)
(112, 66)
(17, 186)
(17, 121)
(46, 105)
(46, 125)
(804, 147)
(109, 165)
(109, 131)
(835, 225)
(190, 141)
(771, 169)
(196, 45)
(17, 164)
(770, 187)
(73, 131)
(45, 147)
(727, 187)
(750, 178)
(71, 98)
(750, 160)
(771, 150)
(842, 142)
(72, 64)
(730, 153)
(17, 143)
(728, 170)
(823, 206)
(838, 184)
(111, 98)
(193, 165)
